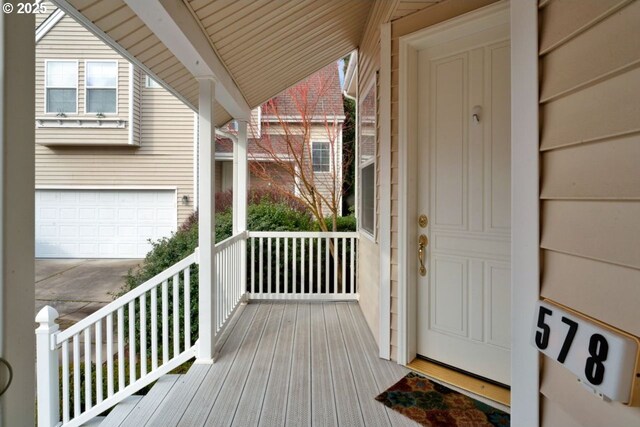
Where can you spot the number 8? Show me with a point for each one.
(598, 349)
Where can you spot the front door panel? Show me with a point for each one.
(464, 189)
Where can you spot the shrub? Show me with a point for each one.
(344, 223)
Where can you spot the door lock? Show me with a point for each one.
(423, 241)
(423, 221)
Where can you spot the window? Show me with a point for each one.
(367, 136)
(61, 86)
(367, 197)
(101, 83)
(150, 83)
(321, 156)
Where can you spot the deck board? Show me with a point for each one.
(274, 405)
(256, 384)
(323, 411)
(288, 364)
(151, 402)
(348, 406)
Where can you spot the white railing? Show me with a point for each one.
(302, 265)
(137, 349)
(232, 276)
(142, 330)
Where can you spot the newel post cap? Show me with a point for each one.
(47, 317)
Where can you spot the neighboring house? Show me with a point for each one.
(114, 150)
(309, 116)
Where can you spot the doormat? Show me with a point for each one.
(434, 405)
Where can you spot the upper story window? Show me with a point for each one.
(321, 155)
(101, 84)
(61, 86)
(150, 83)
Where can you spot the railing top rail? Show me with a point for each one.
(126, 298)
(306, 234)
(230, 241)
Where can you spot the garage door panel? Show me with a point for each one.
(102, 223)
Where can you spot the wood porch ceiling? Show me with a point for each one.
(267, 46)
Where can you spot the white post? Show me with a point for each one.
(240, 188)
(206, 222)
(47, 368)
(240, 179)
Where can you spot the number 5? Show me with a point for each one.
(542, 337)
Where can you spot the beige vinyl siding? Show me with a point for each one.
(162, 124)
(590, 185)
(139, 81)
(68, 40)
(424, 18)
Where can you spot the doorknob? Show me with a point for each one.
(422, 245)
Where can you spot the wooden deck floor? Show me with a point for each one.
(283, 364)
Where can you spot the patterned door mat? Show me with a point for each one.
(434, 405)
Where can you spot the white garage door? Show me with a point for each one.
(102, 223)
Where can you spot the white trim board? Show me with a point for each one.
(525, 209)
(384, 293)
(106, 187)
(48, 24)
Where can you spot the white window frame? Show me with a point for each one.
(151, 83)
(371, 235)
(331, 155)
(46, 98)
(86, 86)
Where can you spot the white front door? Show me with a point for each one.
(464, 190)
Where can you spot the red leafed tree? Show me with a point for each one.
(310, 112)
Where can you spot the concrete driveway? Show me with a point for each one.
(79, 287)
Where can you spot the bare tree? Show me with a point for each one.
(310, 111)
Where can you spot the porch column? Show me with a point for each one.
(17, 151)
(240, 188)
(206, 222)
(240, 179)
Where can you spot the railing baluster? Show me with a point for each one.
(87, 369)
(176, 315)
(261, 270)
(294, 278)
(344, 265)
(99, 361)
(121, 348)
(286, 265)
(154, 328)
(353, 266)
(277, 265)
(143, 335)
(327, 241)
(311, 265)
(132, 342)
(165, 322)
(110, 355)
(269, 260)
(318, 266)
(253, 266)
(187, 308)
(336, 257)
(65, 381)
(76, 375)
(302, 265)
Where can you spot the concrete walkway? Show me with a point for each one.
(79, 287)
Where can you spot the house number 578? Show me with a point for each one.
(598, 346)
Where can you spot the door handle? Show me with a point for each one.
(422, 249)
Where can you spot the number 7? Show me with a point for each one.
(568, 340)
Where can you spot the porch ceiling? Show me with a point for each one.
(265, 45)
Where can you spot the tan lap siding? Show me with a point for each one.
(590, 185)
(164, 126)
(427, 17)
